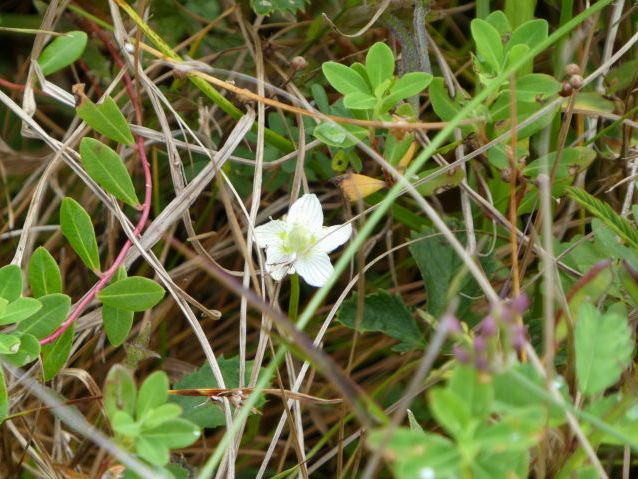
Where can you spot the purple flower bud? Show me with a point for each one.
(480, 344)
(481, 363)
(488, 326)
(452, 324)
(520, 303)
(518, 336)
(461, 354)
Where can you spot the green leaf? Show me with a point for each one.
(620, 225)
(55, 354)
(450, 411)
(508, 399)
(359, 101)
(9, 343)
(266, 7)
(516, 431)
(117, 322)
(499, 21)
(344, 79)
(440, 267)
(3, 306)
(173, 433)
(152, 393)
(120, 392)
(536, 87)
(10, 282)
(19, 310)
(603, 348)
(410, 84)
(489, 47)
(339, 136)
(155, 453)
(160, 414)
(205, 413)
(77, 228)
(475, 389)
(55, 308)
(107, 169)
(62, 52)
(379, 64)
(44, 273)
(106, 118)
(573, 160)
(384, 313)
(4, 398)
(414, 454)
(132, 294)
(530, 33)
(28, 352)
(125, 425)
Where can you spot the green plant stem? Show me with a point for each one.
(482, 8)
(293, 305)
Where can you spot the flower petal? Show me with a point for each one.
(269, 233)
(333, 236)
(278, 263)
(315, 268)
(306, 211)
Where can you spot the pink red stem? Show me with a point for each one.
(106, 276)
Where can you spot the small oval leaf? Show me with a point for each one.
(107, 169)
(344, 79)
(55, 308)
(28, 351)
(19, 310)
(55, 354)
(10, 282)
(132, 294)
(62, 52)
(77, 228)
(44, 273)
(105, 118)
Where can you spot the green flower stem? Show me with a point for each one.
(293, 305)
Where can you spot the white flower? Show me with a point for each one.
(300, 243)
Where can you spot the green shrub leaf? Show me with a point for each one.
(55, 308)
(132, 294)
(106, 118)
(77, 228)
(44, 273)
(344, 79)
(28, 351)
(107, 169)
(10, 282)
(489, 47)
(379, 64)
(55, 354)
(19, 310)
(62, 52)
(9, 343)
